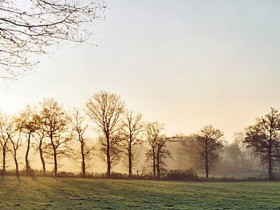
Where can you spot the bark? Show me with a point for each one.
(4, 159)
(27, 165)
(154, 162)
(129, 161)
(108, 156)
(158, 163)
(42, 158)
(83, 160)
(16, 162)
(270, 159)
(206, 160)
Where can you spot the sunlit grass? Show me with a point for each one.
(75, 193)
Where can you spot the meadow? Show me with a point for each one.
(78, 193)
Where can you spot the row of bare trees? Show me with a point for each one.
(120, 133)
(52, 131)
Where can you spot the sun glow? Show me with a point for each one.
(8, 105)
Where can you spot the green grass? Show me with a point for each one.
(76, 193)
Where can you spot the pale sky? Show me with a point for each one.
(180, 62)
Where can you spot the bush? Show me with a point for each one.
(188, 174)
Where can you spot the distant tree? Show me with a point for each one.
(187, 151)
(28, 122)
(105, 109)
(40, 139)
(14, 133)
(153, 133)
(162, 153)
(79, 127)
(29, 27)
(264, 138)
(4, 139)
(209, 143)
(157, 147)
(132, 129)
(55, 124)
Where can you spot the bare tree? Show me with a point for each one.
(153, 132)
(79, 128)
(14, 133)
(29, 27)
(4, 139)
(40, 137)
(55, 122)
(162, 153)
(209, 143)
(28, 122)
(115, 152)
(132, 129)
(105, 110)
(264, 138)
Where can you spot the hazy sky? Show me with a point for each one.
(183, 63)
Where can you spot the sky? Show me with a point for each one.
(184, 63)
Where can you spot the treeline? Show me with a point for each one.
(120, 134)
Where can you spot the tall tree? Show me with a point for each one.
(79, 128)
(28, 122)
(4, 139)
(55, 122)
(209, 142)
(105, 109)
(29, 27)
(14, 133)
(157, 147)
(162, 153)
(153, 132)
(264, 138)
(132, 129)
(40, 137)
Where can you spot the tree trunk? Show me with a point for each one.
(154, 162)
(27, 165)
(158, 162)
(108, 156)
(206, 160)
(16, 162)
(83, 160)
(55, 161)
(129, 160)
(270, 159)
(4, 158)
(42, 158)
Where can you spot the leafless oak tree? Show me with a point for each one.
(132, 129)
(264, 138)
(55, 122)
(14, 133)
(28, 122)
(153, 132)
(79, 128)
(209, 142)
(4, 139)
(29, 27)
(105, 110)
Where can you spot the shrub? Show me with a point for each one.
(188, 174)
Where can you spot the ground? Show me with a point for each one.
(78, 193)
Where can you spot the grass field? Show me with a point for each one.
(75, 193)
